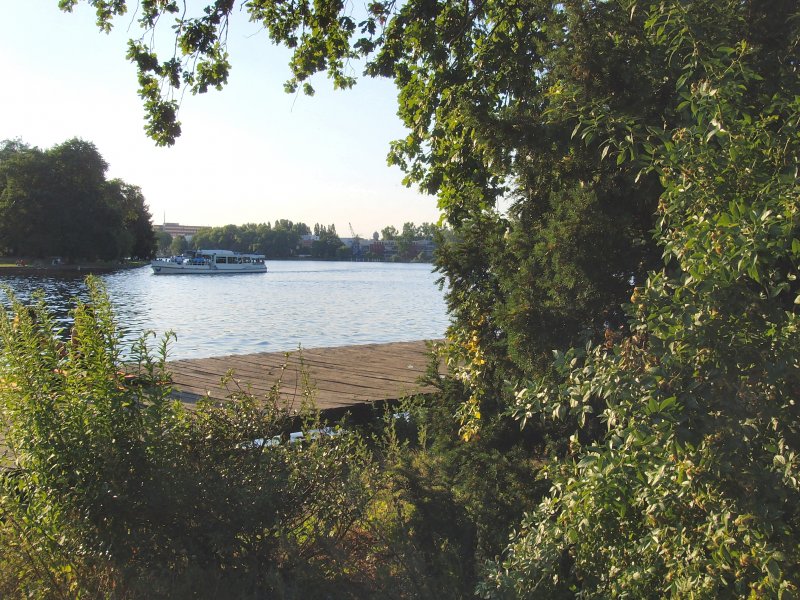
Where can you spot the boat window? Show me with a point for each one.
(220, 260)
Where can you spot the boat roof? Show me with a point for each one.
(229, 253)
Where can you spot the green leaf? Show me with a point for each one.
(572, 536)
(773, 570)
(667, 403)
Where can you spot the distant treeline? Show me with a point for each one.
(58, 202)
(276, 241)
(285, 239)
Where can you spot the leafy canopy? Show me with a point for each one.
(58, 202)
(692, 489)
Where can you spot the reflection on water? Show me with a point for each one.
(59, 293)
(297, 303)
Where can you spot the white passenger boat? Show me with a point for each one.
(210, 262)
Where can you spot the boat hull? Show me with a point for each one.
(165, 268)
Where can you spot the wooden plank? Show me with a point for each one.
(340, 377)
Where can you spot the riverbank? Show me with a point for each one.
(43, 269)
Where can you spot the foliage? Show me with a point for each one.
(389, 233)
(328, 243)
(479, 86)
(118, 489)
(405, 241)
(283, 240)
(443, 507)
(164, 241)
(274, 241)
(58, 202)
(178, 245)
(558, 136)
(136, 221)
(491, 93)
(692, 491)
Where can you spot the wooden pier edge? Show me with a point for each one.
(357, 380)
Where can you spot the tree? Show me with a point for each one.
(405, 241)
(595, 124)
(389, 233)
(287, 237)
(79, 189)
(691, 488)
(344, 253)
(23, 170)
(478, 87)
(428, 230)
(206, 238)
(164, 240)
(58, 202)
(136, 220)
(328, 244)
(179, 245)
(278, 241)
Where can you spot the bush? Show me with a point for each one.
(114, 489)
(693, 489)
(444, 506)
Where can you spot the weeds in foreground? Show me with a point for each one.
(113, 489)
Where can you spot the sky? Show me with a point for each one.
(248, 154)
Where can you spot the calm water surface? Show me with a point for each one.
(297, 303)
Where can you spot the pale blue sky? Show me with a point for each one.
(250, 153)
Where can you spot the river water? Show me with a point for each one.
(295, 304)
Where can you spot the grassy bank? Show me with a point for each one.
(12, 268)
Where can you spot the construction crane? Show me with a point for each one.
(356, 243)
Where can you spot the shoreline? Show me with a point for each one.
(43, 270)
(83, 269)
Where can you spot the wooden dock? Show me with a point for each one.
(346, 378)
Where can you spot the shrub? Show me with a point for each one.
(692, 492)
(114, 489)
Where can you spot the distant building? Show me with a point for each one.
(426, 247)
(187, 231)
(389, 248)
(306, 241)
